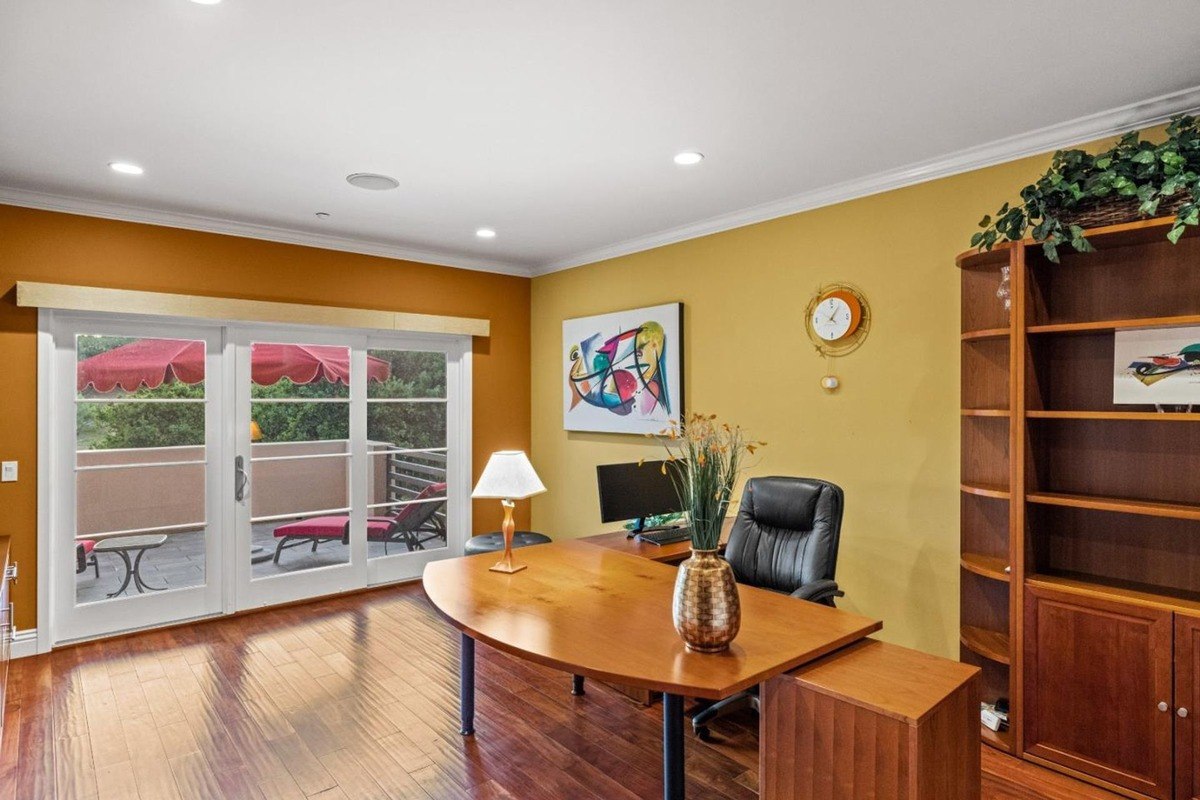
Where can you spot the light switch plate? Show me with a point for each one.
(8, 472)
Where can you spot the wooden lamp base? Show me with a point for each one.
(505, 564)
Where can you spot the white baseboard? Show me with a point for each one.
(24, 643)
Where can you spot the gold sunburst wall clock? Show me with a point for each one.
(837, 320)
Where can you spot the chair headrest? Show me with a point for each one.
(787, 503)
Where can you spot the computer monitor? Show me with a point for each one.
(633, 491)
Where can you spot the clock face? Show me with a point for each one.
(832, 318)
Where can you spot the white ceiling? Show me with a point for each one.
(553, 122)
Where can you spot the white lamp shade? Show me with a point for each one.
(508, 476)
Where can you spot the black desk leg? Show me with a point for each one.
(577, 685)
(466, 685)
(672, 746)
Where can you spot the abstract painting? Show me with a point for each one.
(623, 372)
(1157, 366)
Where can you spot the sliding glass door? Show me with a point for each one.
(201, 469)
(417, 484)
(297, 465)
(136, 475)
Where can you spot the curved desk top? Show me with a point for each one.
(591, 611)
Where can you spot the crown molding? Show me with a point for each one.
(197, 222)
(1095, 126)
(1116, 121)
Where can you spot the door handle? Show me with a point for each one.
(241, 479)
(1182, 712)
(1163, 706)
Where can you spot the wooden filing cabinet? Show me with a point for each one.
(872, 720)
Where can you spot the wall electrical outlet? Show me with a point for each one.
(8, 472)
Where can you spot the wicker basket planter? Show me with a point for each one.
(1115, 210)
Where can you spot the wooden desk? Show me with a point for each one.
(665, 554)
(603, 614)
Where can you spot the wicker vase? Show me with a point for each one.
(706, 608)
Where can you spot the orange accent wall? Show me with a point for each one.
(64, 248)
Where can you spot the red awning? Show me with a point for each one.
(151, 362)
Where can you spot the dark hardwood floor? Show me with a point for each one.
(355, 697)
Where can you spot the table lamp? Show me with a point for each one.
(508, 476)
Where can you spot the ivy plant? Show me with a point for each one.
(1143, 172)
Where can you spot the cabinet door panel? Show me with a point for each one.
(1095, 672)
(1187, 695)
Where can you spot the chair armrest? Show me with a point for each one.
(818, 591)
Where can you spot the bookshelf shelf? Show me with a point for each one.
(1116, 416)
(994, 492)
(990, 567)
(998, 739)
(1118, 505)
(985, 334)
(1115, 324)
(992, 645)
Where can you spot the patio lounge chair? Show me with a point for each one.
(411, 525)
(84, 557)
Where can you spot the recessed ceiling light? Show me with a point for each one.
(372, 181)
(688, 157)
(206, 2)
(485, 233)
(322, 215)
(125, 168)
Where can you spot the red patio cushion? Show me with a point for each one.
(331, 527)
(318, 527)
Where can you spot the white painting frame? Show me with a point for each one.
(1159, 366)
(641, 390)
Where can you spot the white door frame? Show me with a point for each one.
(68, 621)
(225, 440)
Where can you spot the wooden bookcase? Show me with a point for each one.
(1061, 489)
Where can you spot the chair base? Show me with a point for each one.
(720, 709)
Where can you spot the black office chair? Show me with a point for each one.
(785, 539)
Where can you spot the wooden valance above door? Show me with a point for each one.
(123, 301)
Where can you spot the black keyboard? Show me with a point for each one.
(669, 536)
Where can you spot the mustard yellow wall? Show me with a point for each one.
(890, 436)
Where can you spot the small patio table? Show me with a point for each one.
(123, 546)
